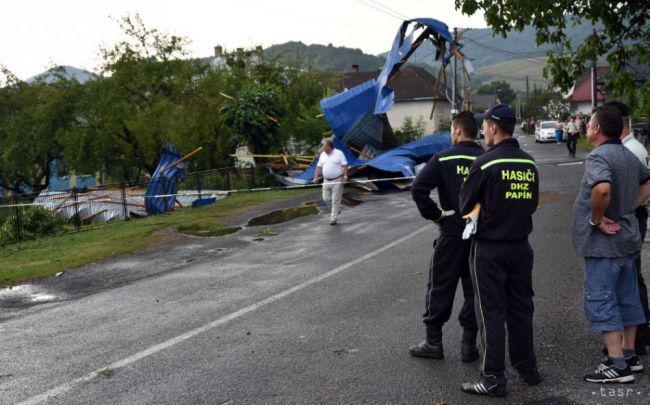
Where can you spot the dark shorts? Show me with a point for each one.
(611, 295)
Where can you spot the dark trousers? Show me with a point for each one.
(572, 143)
(502, 276)
(449, 263)
(642, 217)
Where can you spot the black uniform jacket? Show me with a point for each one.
(506, 183)
(445, 171)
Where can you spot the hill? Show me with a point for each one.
(68, 72)
(514, 72)
(323, 57)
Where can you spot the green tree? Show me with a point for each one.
(501, 89)
(33, 120)
(410, 131)
(140, 102)
(303, 125)
(254, 115)
(623, 38)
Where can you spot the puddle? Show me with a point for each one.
(25, 294)
(220, 250)
(277, 217)
(210, 232)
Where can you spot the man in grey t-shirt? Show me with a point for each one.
(606, 234)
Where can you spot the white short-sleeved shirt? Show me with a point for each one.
(637, 148)
(332, 164)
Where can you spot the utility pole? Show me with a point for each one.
(517, 107)
(453, 79)
(463, 94)
(594, 78)
(527, 95)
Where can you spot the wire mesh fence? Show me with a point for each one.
(27, 216)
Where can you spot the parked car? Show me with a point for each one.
(545, 131)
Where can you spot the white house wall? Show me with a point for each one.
(584, 108)
(417, 109)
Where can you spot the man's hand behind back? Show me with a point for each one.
(609, 226)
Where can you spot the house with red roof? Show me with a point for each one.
(580, 94)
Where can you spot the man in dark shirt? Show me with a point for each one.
(504, 181)
(446, 172)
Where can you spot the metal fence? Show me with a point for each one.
(28, 216)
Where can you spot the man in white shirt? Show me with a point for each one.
(573, 132)
(636, 147)
(334, 168)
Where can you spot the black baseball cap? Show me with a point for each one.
(498, 113)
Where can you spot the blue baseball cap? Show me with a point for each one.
(498, 113)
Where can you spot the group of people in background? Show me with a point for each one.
(486, 202)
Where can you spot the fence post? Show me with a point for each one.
(17, 221)
(124, 205)
(198, 184)
(75, 201)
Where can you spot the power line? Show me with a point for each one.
(388, 9)
(496, 49)
(514, 78)
(381, 10)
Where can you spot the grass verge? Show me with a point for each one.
(43, 257)
(584, 144)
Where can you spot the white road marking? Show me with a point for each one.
(67, 386)
(570, 164)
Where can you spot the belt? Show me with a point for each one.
(333, 178)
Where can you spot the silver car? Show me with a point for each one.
(545, 131)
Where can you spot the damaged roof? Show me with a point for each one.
(409, 83)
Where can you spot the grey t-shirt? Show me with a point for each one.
(610, 162)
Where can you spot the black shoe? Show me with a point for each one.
(424, 349)
(531, 377)
(634, 363)
(485, 386)
(431, 346)
(607, 373)
(468, 349)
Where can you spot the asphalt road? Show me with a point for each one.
(315, 314)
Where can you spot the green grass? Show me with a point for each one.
(584, 144)
(46, 256)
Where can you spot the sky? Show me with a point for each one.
(39, 34)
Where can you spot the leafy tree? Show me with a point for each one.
(33, 119)
(623, 39)
(303, 125)
(410, 131)
(138, 104)
(254, 115)
(502, 90)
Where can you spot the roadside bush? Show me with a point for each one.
(34, 222)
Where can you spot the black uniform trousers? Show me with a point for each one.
(642, 217)
(502, 276)
(449, 263)
(572, 143)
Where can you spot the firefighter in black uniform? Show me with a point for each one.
(446, 171)
(504, 181)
